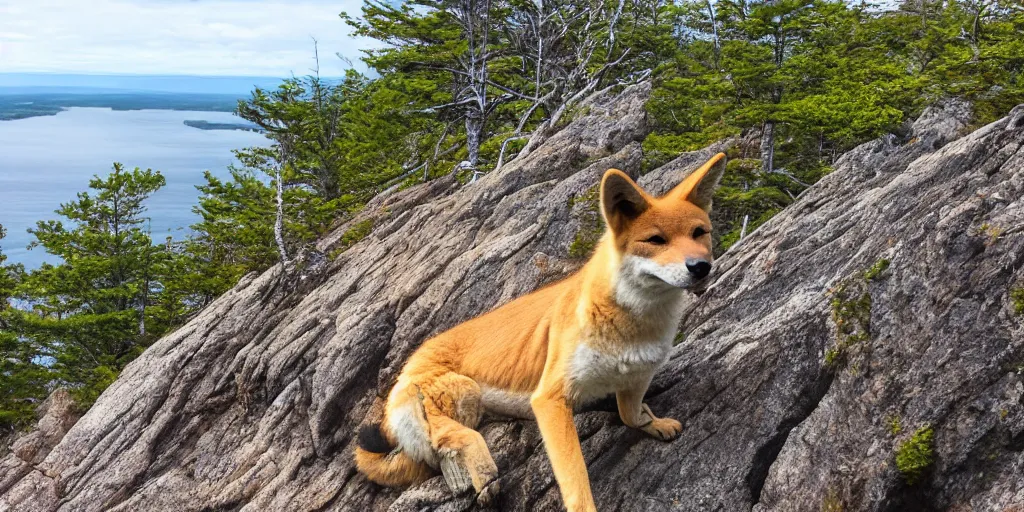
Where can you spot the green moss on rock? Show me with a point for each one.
(915, 455)
(832, 502)
(876, 270)
(851, 312)
(586, 210)
(895, 425)
(850, 304)
(352, 236)
(1017, 299)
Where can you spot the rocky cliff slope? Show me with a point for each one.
(861, 351)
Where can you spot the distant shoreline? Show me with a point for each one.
(25, 105)
(57, 110)
(207, 125)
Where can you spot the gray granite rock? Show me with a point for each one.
(253, 405)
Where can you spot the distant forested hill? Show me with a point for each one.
(17, 103)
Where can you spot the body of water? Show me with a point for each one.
(46, 161)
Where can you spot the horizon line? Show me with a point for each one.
(167, 75)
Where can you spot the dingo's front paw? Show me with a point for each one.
(487, 497)
(665, 429)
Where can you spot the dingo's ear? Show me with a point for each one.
(699, 186)
(622, 200)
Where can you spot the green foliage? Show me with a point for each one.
(915, 455)
(335, 144)
(805, 65)
(337, 141)
(961, 48)
(22, 380)
(8, 274)
(821, 76)
(742, 66)
(234, 236)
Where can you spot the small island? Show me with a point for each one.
(206, 125)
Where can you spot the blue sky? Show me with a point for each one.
(195, 37)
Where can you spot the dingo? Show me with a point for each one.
(602, 330)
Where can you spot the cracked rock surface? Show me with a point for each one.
(788, 398)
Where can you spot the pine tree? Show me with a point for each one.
(335, 144)
(809, 76)
(235, 235)
(23, 377)
(89, 313)
(455, 45)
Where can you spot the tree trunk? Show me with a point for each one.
(768, 146)
(474, 132)
(714, 30)
(279, 221)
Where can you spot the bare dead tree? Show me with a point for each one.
(475, 94)
(768, 146)
(538, 33)
(328, 121)
(712, 15)
(567, 50)
(144, 299)
(562, 39)
(474, 16)
(575, 79)
(282, 250)
(471, 74)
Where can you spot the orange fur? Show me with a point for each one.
(602, 330)
(392, 470)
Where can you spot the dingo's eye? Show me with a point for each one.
(656, 240)
(699, 232)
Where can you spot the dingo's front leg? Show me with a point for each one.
(635, 413)
(554, 417)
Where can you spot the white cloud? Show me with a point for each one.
(210, 37)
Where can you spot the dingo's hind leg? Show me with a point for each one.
(453, 408)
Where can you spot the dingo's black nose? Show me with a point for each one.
(699, 268)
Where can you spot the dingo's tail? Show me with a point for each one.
(381, 463)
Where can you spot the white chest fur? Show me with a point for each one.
(596, 373)
(650, 309)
